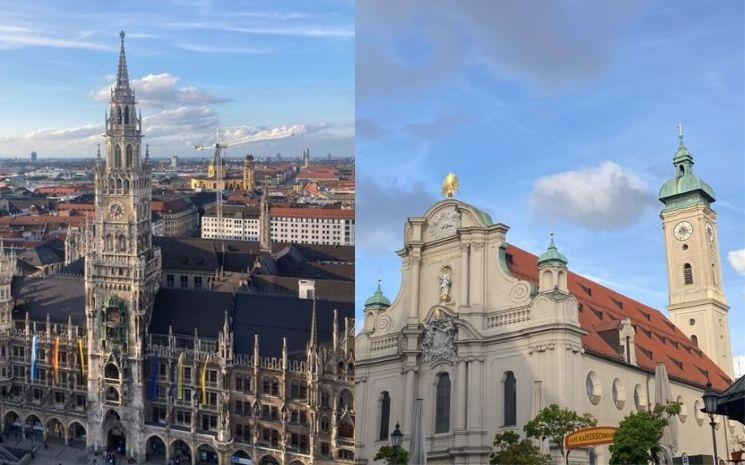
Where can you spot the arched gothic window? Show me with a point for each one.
(119, 115)
(121, 243)
(510, 399)
(126, 115)
(129, 156)
(117, 156)
(385, 415)
(442, 404)
(687, 274)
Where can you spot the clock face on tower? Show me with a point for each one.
(709, 232)
(116, 211)
(683, 230)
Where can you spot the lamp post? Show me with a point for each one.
(396, 437)
(711, 399)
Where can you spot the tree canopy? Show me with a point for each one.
(554, 422)
(509, 449)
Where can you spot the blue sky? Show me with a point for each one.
(517, 97)
(280, 66)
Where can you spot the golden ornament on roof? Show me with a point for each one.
(450, 185)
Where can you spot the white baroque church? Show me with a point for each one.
(488, 334)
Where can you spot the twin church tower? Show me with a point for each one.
(697, 304)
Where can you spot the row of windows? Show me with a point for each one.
(442, 404)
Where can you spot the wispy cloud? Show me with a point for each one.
(300, 31)
(21, 37)
(222, 49)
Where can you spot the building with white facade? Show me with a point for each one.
(291, 225)
(488, 334)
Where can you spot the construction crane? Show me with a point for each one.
(220, 148)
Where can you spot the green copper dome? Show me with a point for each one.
(685, 188)
(378, 300)
(552, 255)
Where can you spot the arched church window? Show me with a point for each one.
(121, 243)
(687, 274)
(385, 415)
(126, 115)
(109, 245)
(442, 404)
(117, 156)
(119, 115)
(510, 399)
(129, 156)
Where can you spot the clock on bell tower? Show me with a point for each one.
(697, 304)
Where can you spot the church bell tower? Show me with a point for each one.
(122, 276)
(697, 304)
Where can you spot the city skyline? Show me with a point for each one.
(196, 66)
(570, 128)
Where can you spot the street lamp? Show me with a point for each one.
(711, 399)
(396, 437)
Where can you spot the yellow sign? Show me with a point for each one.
(589, 437)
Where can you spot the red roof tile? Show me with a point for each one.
(657, 338)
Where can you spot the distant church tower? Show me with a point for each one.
(696, 301)
(122, 275)
(248, 173)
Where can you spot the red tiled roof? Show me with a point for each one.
(657, 339)
(313, 213)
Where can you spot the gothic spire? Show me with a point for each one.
(313, 343)
(122, 78)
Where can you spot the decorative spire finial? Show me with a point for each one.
(450, 185)
(680, 133)
(122, 78)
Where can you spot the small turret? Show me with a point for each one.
(377, 301)
(552, 267)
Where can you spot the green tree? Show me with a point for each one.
(386, 453)
(554, 422)
(638, 436)
(509, 449)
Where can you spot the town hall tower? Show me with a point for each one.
(122, 275)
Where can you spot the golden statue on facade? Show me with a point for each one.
(450, 185)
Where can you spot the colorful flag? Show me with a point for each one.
(203, 382)
(33, 357)
(55, 359)
(180, 377)
(81, 360)
(154, 370)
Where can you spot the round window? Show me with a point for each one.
(691, 322)
(593, 388)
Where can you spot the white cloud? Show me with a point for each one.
(161, 90)
(737, 260)
(599, 198)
